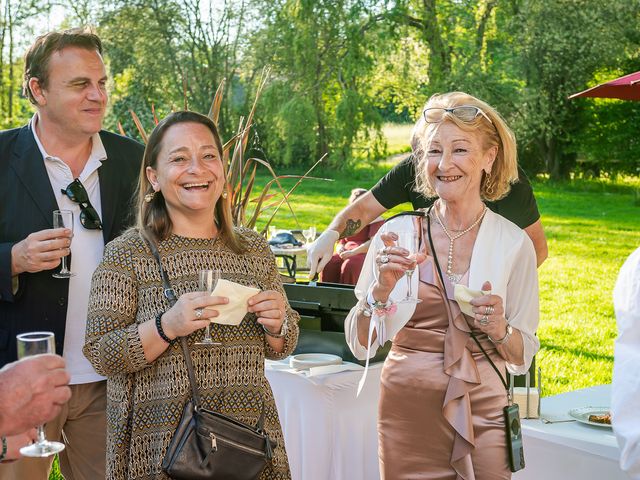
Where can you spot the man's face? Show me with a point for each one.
(75, 97)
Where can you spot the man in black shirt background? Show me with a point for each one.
(398, 186)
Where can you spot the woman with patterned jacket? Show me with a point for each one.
(131, 330)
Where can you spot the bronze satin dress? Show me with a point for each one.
(440, 414)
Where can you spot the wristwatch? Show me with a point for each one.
(504, 339)
(283, 329)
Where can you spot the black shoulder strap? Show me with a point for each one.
(415, 213)
(171, 296)
(475, 339)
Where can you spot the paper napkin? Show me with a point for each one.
(233, 312)
(464, 295)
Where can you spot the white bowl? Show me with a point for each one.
(308, 360)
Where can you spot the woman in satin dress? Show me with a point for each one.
(441, 403)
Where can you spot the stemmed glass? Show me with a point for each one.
(63, 219)
(309, 234)
(207, 283)
(409, 241)
(29, 344)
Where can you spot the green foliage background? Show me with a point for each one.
(341, 68)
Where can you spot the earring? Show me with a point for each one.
(224, 193)
(488, 184)
(149, 197)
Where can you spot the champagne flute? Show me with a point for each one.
(63, 219)
(207, 282)
(409, 241)
(309, 234)
(36, 343)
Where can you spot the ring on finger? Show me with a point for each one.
(384, 259)
(198, 313)
(484, 320)
(489, 309)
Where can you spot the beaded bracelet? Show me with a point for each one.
(384, 308)
(160, 329)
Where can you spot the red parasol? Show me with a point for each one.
(625, 88)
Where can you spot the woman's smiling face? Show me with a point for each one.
(188, 170)
(455, 162)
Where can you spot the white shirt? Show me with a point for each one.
(625, 393)
(502, 254)
(86, 252)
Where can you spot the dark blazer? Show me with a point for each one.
(27, 203)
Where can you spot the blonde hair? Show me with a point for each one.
(153, 219)
(504, 171)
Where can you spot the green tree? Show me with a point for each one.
(322, 54)
(560, 46)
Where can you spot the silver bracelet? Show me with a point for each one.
(364, 309)
(503, 340)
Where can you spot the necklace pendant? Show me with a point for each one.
(454, 277)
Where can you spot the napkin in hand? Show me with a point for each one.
(233, 312)
(464, 295)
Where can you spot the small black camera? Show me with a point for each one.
(514, 437)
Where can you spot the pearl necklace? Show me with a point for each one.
(455, 277)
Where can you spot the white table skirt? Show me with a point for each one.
(571, 450)
(329, 433)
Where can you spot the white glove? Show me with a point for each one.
(320, 252)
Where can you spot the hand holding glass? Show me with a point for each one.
(409, 241)
(30, 344)
(207, 282)
(63, 219)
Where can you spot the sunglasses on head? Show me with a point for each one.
(466, 113)
(89, 217)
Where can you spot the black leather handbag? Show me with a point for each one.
(207, 444)
(210, 445)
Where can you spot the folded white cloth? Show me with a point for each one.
(233, 312)
(464, 295)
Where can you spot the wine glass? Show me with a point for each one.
(29, 344)
(409, 241)
(63, 219)
(207, 281)
(309, 234)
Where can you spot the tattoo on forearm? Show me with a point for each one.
(352, 227)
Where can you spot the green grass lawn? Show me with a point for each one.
(591, 227)
(397, 136)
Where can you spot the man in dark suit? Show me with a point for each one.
(62, 160)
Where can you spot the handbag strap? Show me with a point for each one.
(170, 294)
(475, 339)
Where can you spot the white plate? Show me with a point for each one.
(308, 360)
(582, 415)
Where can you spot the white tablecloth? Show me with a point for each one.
(329, 433)
(571, 450)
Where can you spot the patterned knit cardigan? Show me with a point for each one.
(145, 400)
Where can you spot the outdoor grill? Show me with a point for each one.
(323, 308)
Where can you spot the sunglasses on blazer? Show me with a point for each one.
(89, 217)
